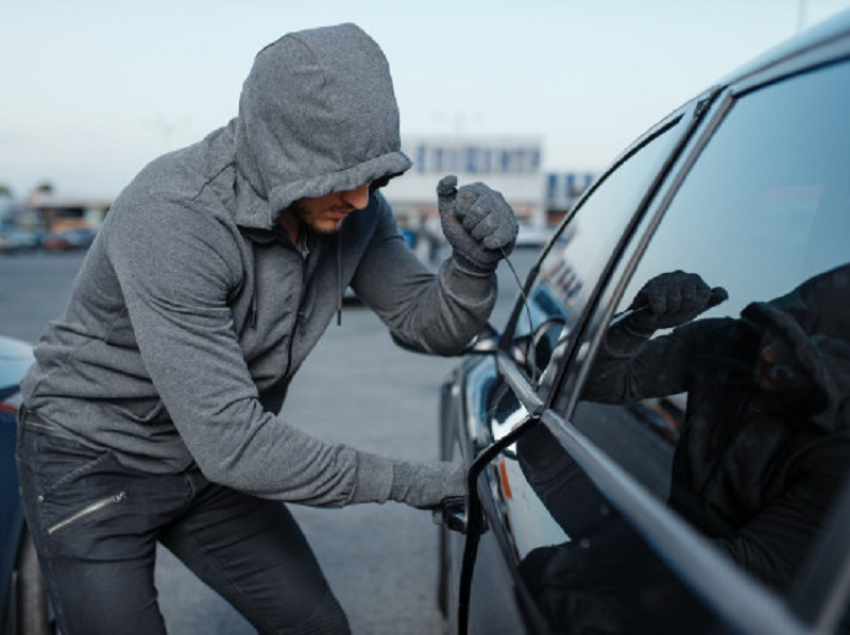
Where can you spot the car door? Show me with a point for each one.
(646, 514)
(489, 395)
(754, 471)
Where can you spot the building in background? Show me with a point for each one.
(513, 165)
(57, 214)
(562, 191)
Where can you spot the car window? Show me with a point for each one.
(580, 566)
(722, 384)
(566, 276)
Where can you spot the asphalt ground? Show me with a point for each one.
(358, 388)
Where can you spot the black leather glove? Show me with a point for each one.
(424, 485)
(671, 299)
(478, 223)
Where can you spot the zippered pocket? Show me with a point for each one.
(86, 511)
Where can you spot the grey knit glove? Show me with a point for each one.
(478, 223)
(424, 485)
(671, 299)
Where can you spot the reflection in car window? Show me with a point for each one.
(723, 383)
(564, 534)
(574, 263)
(571, 547)
(603, 578)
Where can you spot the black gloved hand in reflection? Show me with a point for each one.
(671, 299)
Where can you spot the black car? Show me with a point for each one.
(638, 476)
(23, 600)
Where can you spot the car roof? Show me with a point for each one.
(816, 37)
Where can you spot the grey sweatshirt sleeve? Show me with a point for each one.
(433, 314)
(176, 267)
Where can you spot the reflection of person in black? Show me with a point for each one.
(765, 444)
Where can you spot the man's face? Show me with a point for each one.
(325, 213)
(777, 369)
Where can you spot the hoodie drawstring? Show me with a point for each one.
(339, 289)
(254, 295)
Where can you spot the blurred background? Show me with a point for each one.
(536, 97)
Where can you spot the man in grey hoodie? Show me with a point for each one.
(151, 412)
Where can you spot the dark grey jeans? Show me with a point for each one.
(95, 525)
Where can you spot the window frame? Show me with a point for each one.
(529, 395)
(734, 596)
(687, 118)
(818, 601)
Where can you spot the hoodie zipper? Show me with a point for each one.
(299, 315)
(86, 511)
(305, 253)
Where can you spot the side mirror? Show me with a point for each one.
(534, 350)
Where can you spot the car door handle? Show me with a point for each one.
(452, 514)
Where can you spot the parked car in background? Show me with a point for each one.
(80, 238)
(20, 229)
(14, 239)
(23, 599)
(599, 506)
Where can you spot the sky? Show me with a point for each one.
(94, 89)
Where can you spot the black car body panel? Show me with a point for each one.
(12, 523)
(15, 358)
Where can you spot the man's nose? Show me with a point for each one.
(769, 353)
(357, 198)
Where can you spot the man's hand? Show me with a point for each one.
(424, 485)
(478, 223)
(671, 299)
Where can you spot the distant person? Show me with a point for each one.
(151, 412)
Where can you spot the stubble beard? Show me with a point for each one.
(331, 227)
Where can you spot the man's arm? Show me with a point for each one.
(176, 267)
(440, 314)
(629, 366)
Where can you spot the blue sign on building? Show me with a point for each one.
(475, 158)
(563, 188)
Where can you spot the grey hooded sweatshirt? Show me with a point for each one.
(194, 309)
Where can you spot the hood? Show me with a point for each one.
(317, 114)
(815, 319)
